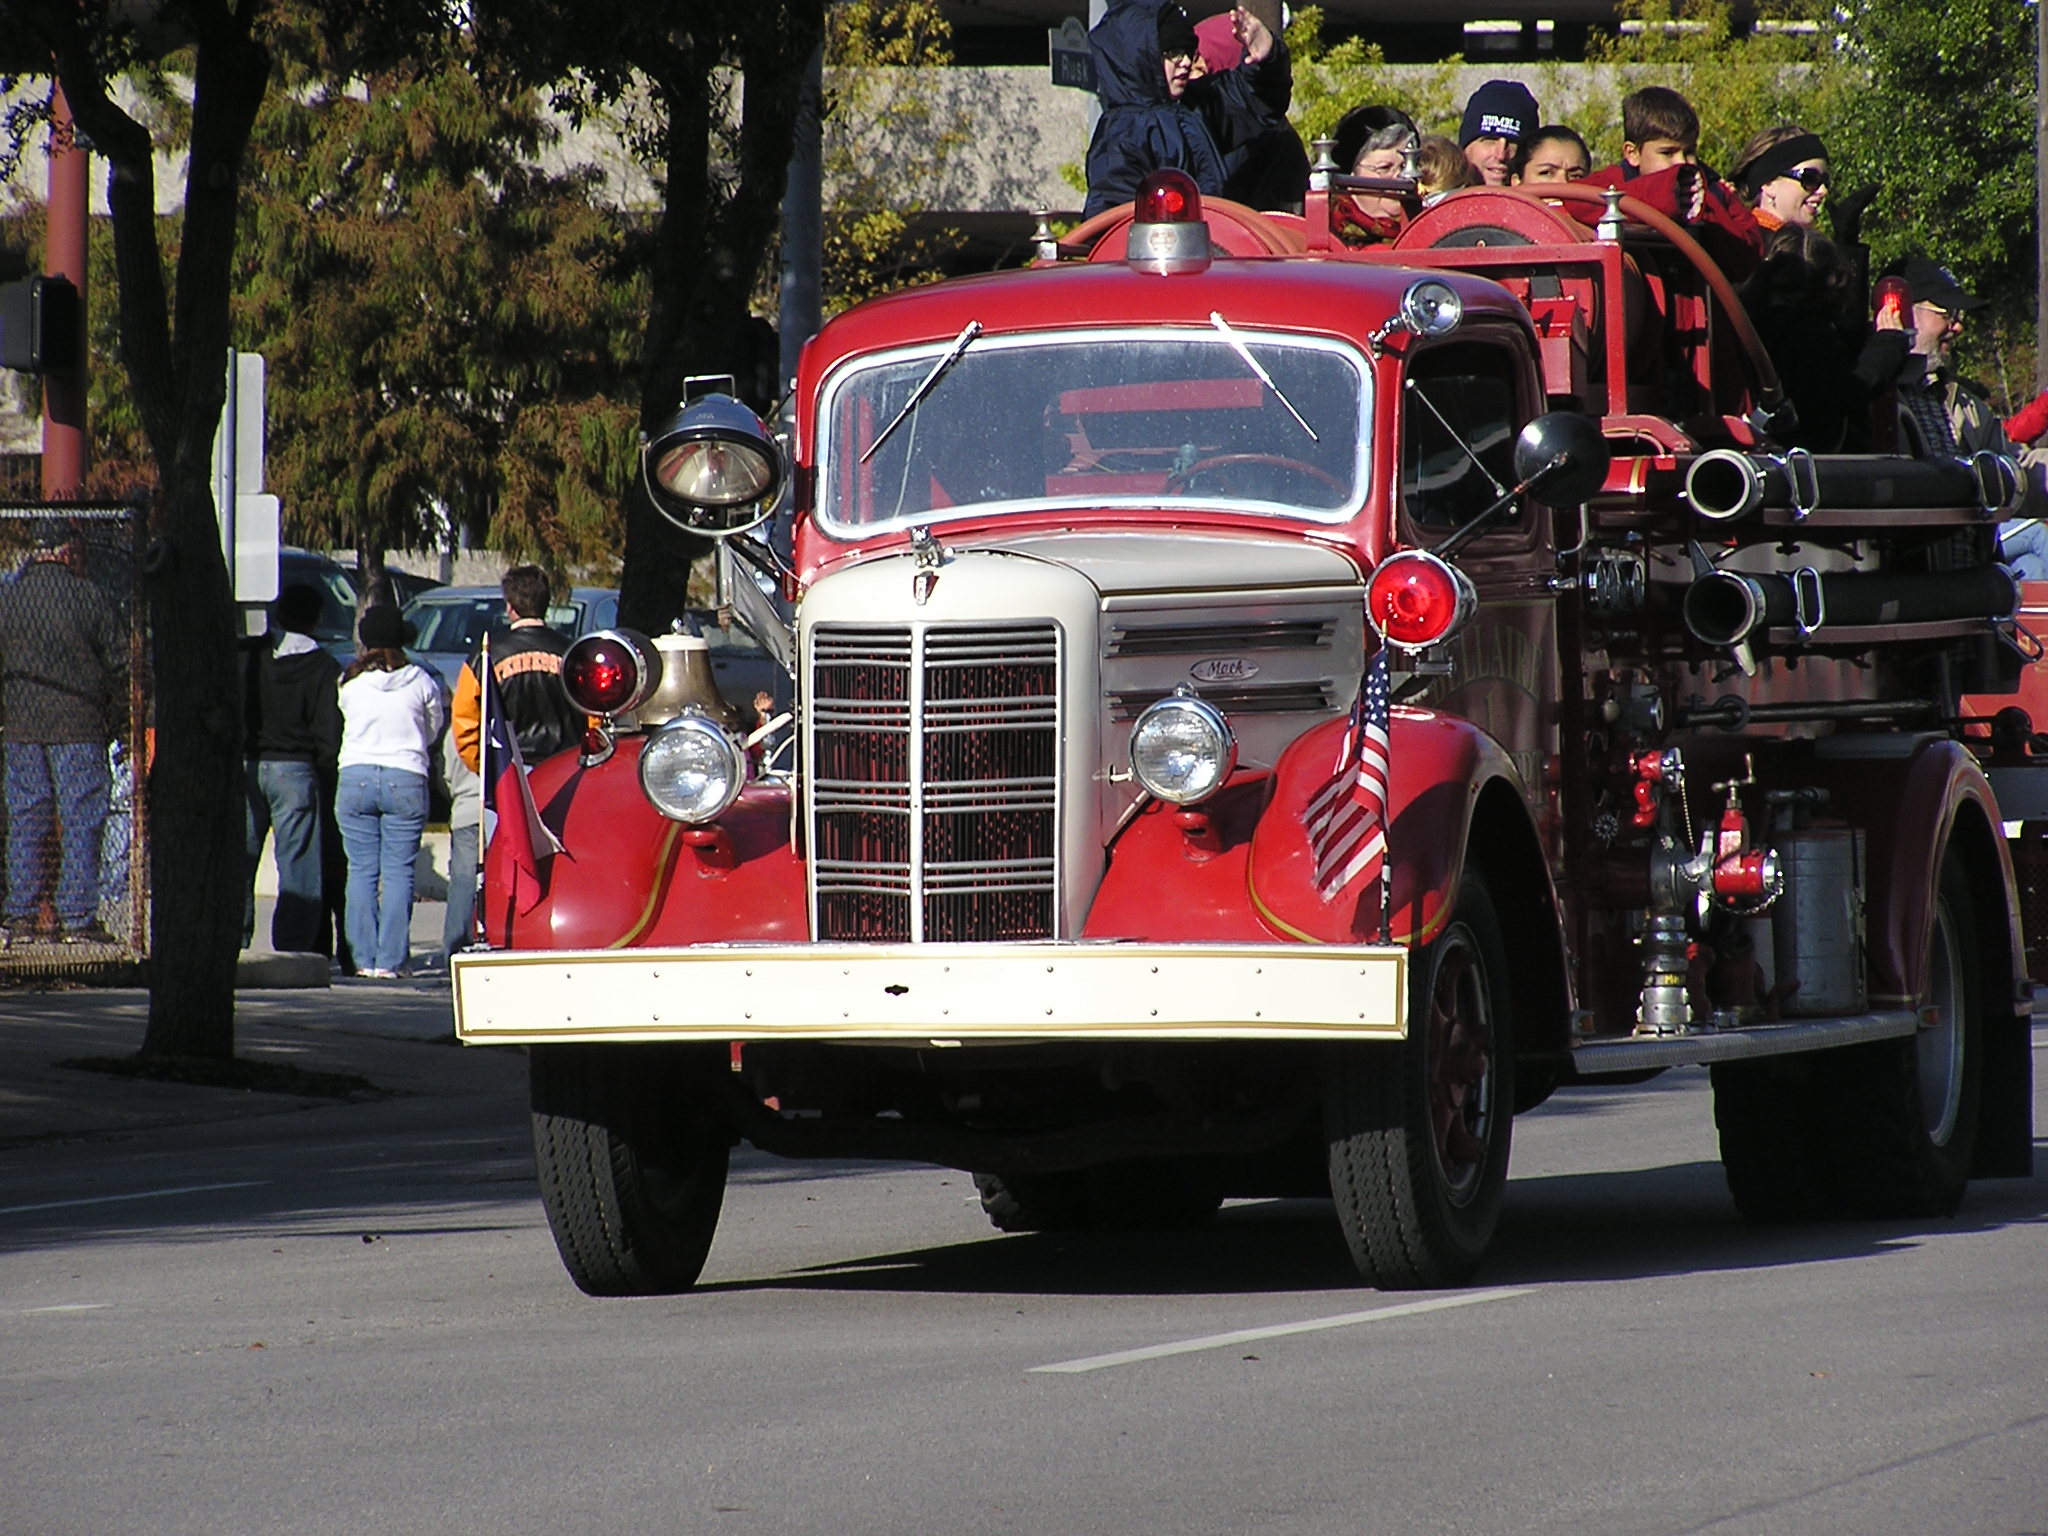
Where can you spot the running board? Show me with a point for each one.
(1598, 1058)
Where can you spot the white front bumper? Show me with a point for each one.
(934, 994)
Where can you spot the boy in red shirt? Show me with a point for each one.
(1661, 167)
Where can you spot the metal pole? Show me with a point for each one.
(64, 440)
(801, 298)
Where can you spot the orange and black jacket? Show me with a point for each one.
(526, 662)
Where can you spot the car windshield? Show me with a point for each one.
(454, 625)
(1097, 419)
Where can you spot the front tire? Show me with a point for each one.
(1419, 1132)
(632, 1163)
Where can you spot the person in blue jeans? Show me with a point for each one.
(465, 817)
(391, 711)
(293, 718)
(63, 648)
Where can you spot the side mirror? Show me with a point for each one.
(713, 468)
(1562, 458)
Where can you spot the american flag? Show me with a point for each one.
(1347, 818)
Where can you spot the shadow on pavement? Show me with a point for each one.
(1575, 1228)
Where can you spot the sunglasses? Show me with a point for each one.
(1811, 177)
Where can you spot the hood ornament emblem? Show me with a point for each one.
(927, 554)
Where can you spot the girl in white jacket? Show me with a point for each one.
(391, 711)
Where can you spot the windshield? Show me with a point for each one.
(1141, 417)
(455, 624)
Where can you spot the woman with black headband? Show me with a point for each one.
(1783, 175)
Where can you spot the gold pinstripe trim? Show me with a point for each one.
(664, 862)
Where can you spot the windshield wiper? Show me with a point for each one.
(953, 355)
(1237, 345)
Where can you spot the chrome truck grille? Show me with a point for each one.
(934, 781)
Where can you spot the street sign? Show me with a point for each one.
(248, 518)
(1073, 63)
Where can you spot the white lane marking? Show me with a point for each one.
(67, 1306)
(1278, 1330)
(141, 1194)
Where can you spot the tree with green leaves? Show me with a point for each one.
(447, 324)
(894, 123)
(1945, 126)
(1331, 79)
(707, 97)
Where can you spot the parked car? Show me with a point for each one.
(336, 584)
(450, 621)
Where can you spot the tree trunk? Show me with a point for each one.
(199, 865)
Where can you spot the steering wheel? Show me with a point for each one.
(1180, 480)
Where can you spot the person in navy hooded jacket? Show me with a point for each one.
(1157, 114)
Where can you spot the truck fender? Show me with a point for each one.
(1912, 810)
(1438, 765)
(1199, 854)
(627, 875)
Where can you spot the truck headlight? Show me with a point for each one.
(1182, 748)
(692, 768)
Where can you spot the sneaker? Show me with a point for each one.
(93, 932)
(376, 973)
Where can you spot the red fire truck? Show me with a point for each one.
(1267, 712)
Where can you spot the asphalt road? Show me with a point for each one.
(350, 1318)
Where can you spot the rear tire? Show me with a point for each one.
(1135, 1195)
(1879, 1130)
(1905, 1111)
(1419, 1132)
(1035, 1202)
(632, 1163)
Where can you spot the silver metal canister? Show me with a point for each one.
(1817, 925)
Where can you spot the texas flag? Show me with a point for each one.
(525, 838)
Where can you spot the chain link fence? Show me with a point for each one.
(75, 738)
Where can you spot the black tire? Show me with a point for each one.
(1036, 1202)
(632, 1163)
(1419, 1132)
(1773, 1140)
(1155, 1194)
(1879, 1130)
(1903, 1113)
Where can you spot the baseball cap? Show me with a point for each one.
(1932, 283)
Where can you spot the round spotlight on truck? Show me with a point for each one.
(713, 468)
(610, 672)
(1431, 307)
(692, 768)
(1182, 749)
(1416, 600)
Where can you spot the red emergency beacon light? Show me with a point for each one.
(610, 672)
(1416, 600)
(1168, 233)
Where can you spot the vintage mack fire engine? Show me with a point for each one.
(1267, 712)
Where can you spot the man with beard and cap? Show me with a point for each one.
(1498, 117)
(1157, 114)
(1940, 413)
